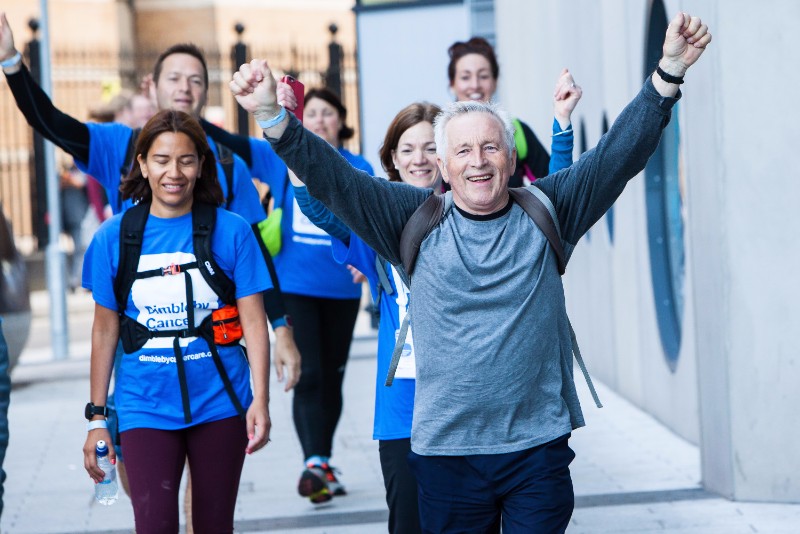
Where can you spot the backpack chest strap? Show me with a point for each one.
(171, 269)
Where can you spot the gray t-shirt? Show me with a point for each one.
(494, 364)
(494, 360)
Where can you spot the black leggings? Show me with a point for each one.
(154, 460)
(401, 486)
(323, 330)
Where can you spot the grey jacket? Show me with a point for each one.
(494, 358)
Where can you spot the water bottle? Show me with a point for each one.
(106, 492)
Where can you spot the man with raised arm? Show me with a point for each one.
(180, 82)
(495, 401)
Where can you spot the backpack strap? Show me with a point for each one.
(532, 200)
(398, 350)
(384, 285)
(548, 222)
(128, 163)
(419, 225)
(130, 248)
(427, 216)
(130, 152)
(226, 161)
(383, 275)
(576, 350)
(204, 218)
(535, 204)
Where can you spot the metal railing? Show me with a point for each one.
(83, 78)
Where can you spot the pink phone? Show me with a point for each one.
(299, 93)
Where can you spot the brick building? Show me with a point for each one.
(100, 46)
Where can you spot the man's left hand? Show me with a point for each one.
(286, 357)
(684, 43)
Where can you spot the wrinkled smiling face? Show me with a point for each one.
(478, 163)
(181, 84)
(415, 156)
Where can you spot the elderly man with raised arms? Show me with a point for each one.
(495, 400)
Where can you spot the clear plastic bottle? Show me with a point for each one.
(107, 491)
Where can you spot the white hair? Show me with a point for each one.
(454, 109)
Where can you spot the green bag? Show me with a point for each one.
(270, 231)
(270, 228)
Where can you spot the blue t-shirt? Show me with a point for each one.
(147, 392)
(394, 406)
(108, 146)
(304, 264)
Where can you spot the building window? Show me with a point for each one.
(665, 209)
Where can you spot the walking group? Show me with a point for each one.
(475, 397)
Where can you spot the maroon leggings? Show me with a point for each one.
(154, 460)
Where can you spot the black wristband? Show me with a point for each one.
(669, 78)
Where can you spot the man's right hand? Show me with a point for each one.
(255, 88)
(7, 49)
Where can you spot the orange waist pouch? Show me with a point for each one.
(226, 325)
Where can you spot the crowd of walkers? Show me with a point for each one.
(474, 396)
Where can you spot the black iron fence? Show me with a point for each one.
(83, 79)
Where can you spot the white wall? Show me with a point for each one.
(609, 289)
(746, 250)
(403, 59)
(735, 388)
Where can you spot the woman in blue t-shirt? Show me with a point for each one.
(322, 298)
(179, 397)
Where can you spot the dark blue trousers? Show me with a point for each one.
(528, 491)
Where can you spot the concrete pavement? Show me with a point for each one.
(631, 474)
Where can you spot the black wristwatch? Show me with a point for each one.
(92, 410)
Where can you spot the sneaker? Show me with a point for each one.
(334, 486)
(313, 484)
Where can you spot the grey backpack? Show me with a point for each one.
(431, 212)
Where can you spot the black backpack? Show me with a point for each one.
(273, 301)
(428, 216)
(132, 333)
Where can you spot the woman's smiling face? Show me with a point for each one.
(473, 79)
(172, 167)
(415, 156)
(322, 119)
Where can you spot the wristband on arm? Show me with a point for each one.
(92, 425)
(13, 61)
(669, 78)
(273, 121)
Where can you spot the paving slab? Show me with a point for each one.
(631, 474)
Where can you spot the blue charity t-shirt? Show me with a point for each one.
(394, 406)
(147, 390)
(108, 148)
(304, 264)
